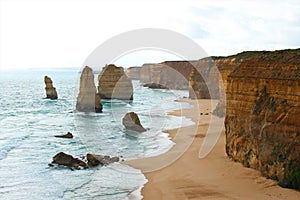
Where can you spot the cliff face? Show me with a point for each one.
(262, 112)
(205, 75)
(88, 100)
(170, 74)
(50, 90)
(114, 84)
(133, 73)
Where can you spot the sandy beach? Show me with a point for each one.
(214, 177)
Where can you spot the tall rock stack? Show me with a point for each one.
(88, 99)
(113, 83)
(50, 90)
(263, 112)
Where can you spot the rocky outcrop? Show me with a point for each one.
(68, 135)
(50, 90)
(170, 74)
(68, 160)
(133, 73)
(132, 122)
(93, 160)
(114, 84)
(155, 86)
(88, 100)
(263, 111)
(96, 160)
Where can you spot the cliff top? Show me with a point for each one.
(280, 64)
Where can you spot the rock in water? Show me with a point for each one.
(132, 122)
(50, 90)
(95, 160)
(68, 135)
(114, 83)
(88, 100)
(68, 160)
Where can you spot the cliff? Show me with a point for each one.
(203, 76)
(133, 73)
(262, 112)
(88, 100)
(114, 84)
(50, 90)
(170, 74)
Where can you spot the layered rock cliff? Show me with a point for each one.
(50, 90)
(204, 80)
(88, 100)
(133, 73)
(170, 74)
(262, 112)
(114, 84)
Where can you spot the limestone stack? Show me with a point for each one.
(50, 90)
(113, 83)
(88, 99)
(132, 122)
(263, 112)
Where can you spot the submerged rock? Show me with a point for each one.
(50, 90)
(113, 83)
(88, 100)
(95, 160)
(68, 135)
(68, 160)
(132, 122)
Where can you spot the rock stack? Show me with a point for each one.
(113, 83)
(132, 122)
(88, 99)
(50, 90)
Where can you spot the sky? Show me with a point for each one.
(63, 33)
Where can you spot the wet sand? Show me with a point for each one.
(212, 177)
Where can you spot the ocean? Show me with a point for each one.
(28, 123)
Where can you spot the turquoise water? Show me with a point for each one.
(28, 123)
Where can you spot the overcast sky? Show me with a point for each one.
(62, 33)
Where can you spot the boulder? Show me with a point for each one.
(88, 99)
(68, 135)
(68, 160)
(95, 160)
(132, 122)
(113, 83)
(50, 90)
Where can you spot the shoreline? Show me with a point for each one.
(213, 177)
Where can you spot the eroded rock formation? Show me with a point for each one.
(50, 90)
(133, 73)
(170, 74)
(88, 99)
(68, 135)
(113, 83)
(263, 111)
(95, 160)
(68, 160)
(132, 122)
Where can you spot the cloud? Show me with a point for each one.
(62, 33)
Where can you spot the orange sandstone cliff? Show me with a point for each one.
(263, 112)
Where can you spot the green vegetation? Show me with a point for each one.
(292, 180)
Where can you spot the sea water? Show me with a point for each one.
(28, 123)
